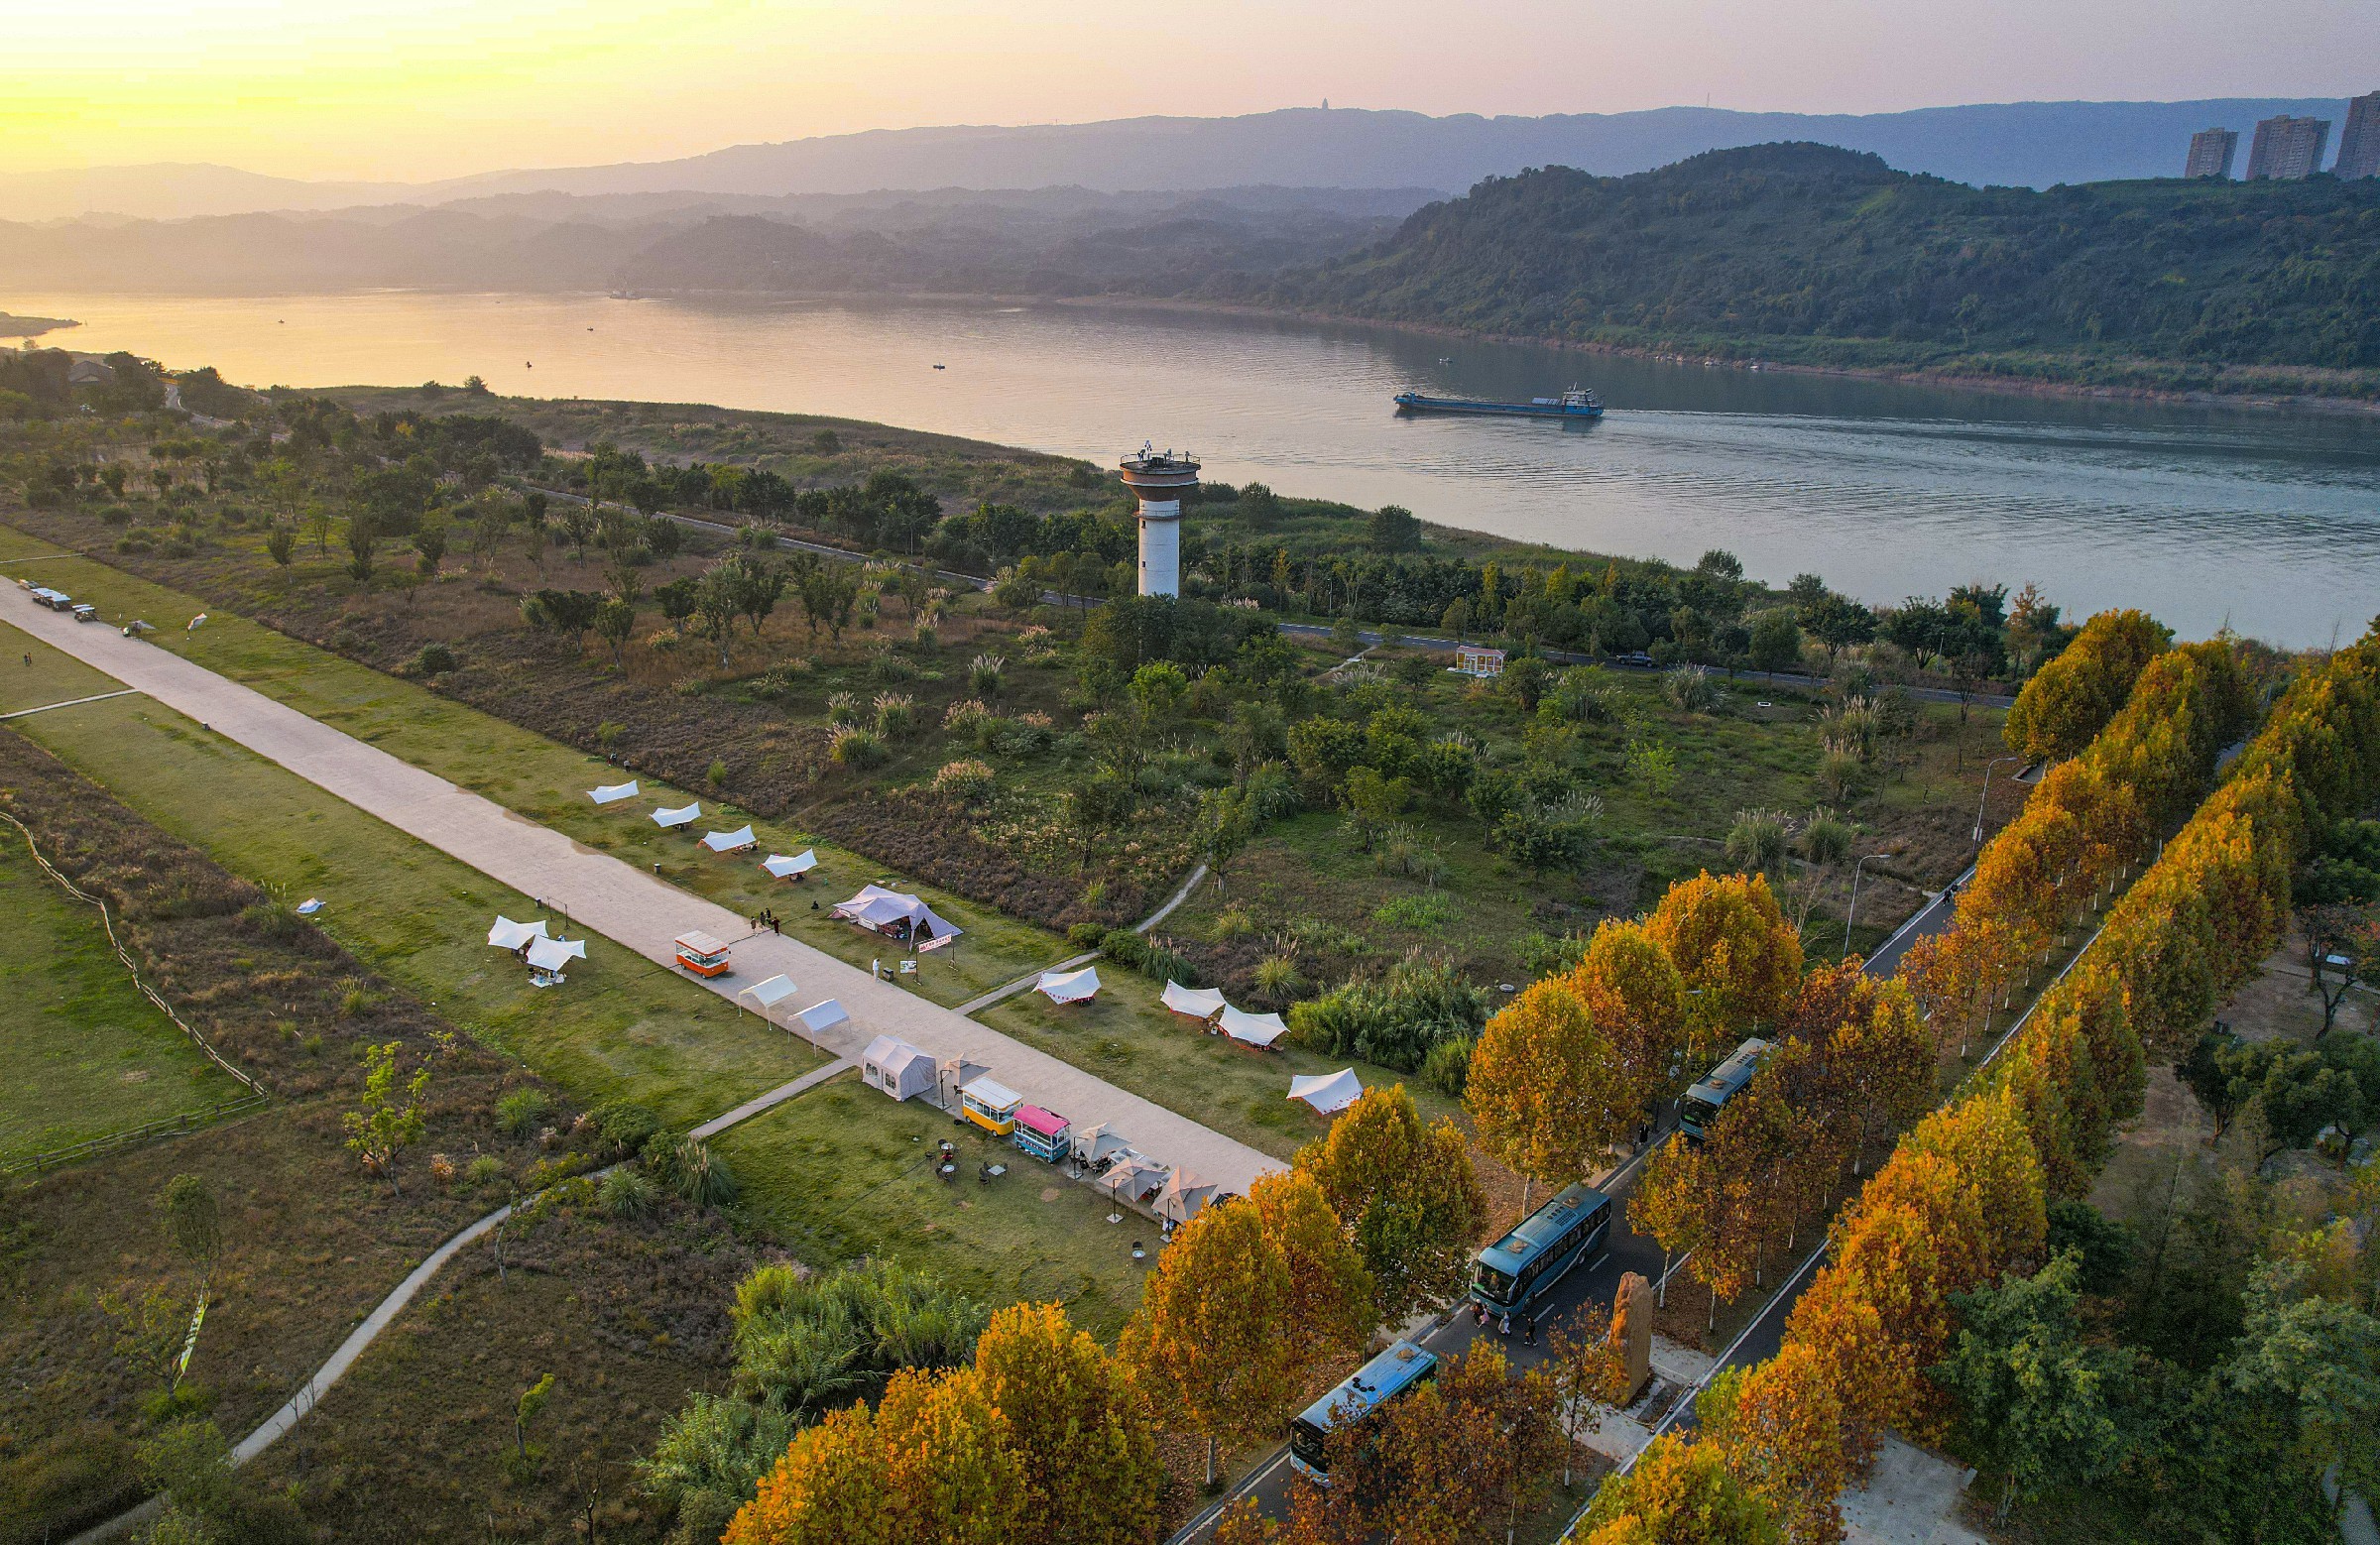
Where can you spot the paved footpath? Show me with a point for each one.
(626, 904)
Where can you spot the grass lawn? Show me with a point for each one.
(537, 778)
(621, 1028)
(83, 1053)
(1127, 1036)
(842, 1172)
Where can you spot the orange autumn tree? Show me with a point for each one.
(1638, 999)
(1251, 1295)
(1780, 1425)
(1543, 1088)
(2070, 700)
(1739, 959)
(1089, 1454)
(1679, 1494)
(932, 1465)
(1405, 1192)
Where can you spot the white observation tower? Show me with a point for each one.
(1161, 478)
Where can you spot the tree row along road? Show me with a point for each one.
(1625, 1250)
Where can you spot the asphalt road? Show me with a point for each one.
(1625, 1250)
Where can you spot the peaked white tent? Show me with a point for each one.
(1068, 987)
(511, 936)
(877, 907)
(1098, 1145)
(1328, 1093)
(771, 993)
(1183, 1196)
(612, 793)
(729, 842)
(1252, 1030)
(784, 868)
(897, 1067)
(823, 1017)
(684, 815)
(1199, 1003)
(1132, 1178)
(553, 954)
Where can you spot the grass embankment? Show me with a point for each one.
(310, 1240)
(622, 1029)
(85, 1053)
(545, 781)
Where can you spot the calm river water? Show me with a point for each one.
(2267, 521)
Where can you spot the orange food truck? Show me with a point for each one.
(701, 954)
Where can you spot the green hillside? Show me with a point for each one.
(1809, 254)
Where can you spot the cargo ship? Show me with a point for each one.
(1573, 403)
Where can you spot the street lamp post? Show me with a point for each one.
(1982, 803)
(1852, 910)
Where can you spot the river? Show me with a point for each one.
(2266, 521)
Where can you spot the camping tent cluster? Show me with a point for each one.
(1206, 1006)
(781, 866)
(547, 957)
(897, 915)
(903, 1071)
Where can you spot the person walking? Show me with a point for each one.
(1528, 1329)
(1503, 1328)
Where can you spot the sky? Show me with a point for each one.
(418, 89)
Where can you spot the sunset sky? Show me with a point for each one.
(427, 88)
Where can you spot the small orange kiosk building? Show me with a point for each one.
(701, 954)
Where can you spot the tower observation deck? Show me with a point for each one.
(1161, 479)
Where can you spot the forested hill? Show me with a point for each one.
(1813, 254)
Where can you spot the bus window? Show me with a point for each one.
(1701, 1107)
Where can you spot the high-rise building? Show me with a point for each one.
(1161, 479)
(2359, 142)
(2210, 153)
(2286, 148)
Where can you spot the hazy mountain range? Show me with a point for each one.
(2024, 143)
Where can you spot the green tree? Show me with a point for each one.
(524, 1410)
(389, 1117)
(1392, 529)
(192, 1221)
(363, 540)
(615, 623)
(1776, 641)
(281, 545)
(2035, 1398)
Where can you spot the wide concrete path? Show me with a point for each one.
(626, 904)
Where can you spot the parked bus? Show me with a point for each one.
(1702, 1104)
(1509, 1276)
(1394, 1371)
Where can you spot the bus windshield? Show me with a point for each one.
(1698, 1113)
(1496, 1284)
(1307, 1442)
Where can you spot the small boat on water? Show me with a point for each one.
(1576, 403)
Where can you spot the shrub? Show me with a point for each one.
(624, 1126)
(1690, 689)
(1086, 935)
(519, 1112)
(1447, 1068)
(963, 715)
(716, 773)
(984, 673)
(625, 1193)
(1838, 775)
(1826, 839)
(483, 1171)
(1431, 911)
(1151, 960)
(971, 782)
(703, 1178)
(1395, 1021)
(853, 747)
(886, 666)
(1278, 979)
(842, 708)
(1233, 923)
(895, 714)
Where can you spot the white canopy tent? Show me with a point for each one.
(784, 868)
(1252, 1030)
(1199, 1003)
(612, 793)
(683, 816)
(729, 842)
(1098, 1145)
(1132, 1178)
(511, 936)
(1328, 1093)
(1183, 1195)
(767, 994)
(553, 954)
(1068, 987)
(897, 1067)
(823, 1017)
(877, 907)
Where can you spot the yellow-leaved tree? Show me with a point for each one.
(1739, 959)
(1543, 1087)
(1090, 1455)
(1407, 1194)
(1679, 1494)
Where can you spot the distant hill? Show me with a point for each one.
(2015, 144)
(1049, 242)
(1804, 251)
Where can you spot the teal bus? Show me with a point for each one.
(1513, 1273)
(1702, 1103)
(1402, 1369)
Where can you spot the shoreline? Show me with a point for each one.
(2312, 404)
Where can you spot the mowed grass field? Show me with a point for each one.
(537, 778)
(82, 1052)
(621, 1028)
